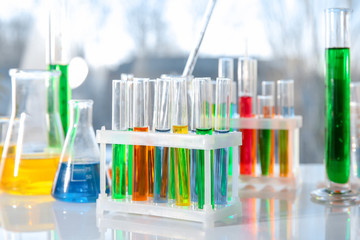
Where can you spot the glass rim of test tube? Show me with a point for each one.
(226, 67)
(339, 35)
(202, 102)
(265, 101)
(268, 88)
(119, 111)
(140, 110)
(179, 101)
(223, 95)
(285, 95)
(246, 76)
(162, 116)
(33, 73)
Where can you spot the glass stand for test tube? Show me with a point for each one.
(293, 125)
(207, 216)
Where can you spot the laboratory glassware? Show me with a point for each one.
(268, 89)
(203, 125)
(140, 123)
(151, 120)
(179, 122)
(222, 126)
(78, 175)
(265, 110)
(119, 123)
(162, 154)
(337, 109)
(29, 165)
(58, 54)
(354, 127)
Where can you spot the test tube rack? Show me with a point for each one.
(293, 125)
(207, 215)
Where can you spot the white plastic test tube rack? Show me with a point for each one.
(293, 125)
(188, 141)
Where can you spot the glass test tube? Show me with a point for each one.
(162, 154)
(222, 125)
(265, 110)
(246, 94)
(119, 122)
(151, 120)
(193, 152)
(285, 105)
(140, 121)
(354, 127)
(337, 93)
(130, 148)
(58, 54)
(203, 123)
(226, 70)
(179, 122)
(268, 89)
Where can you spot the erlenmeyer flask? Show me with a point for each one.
(29, 166)
(78, 176)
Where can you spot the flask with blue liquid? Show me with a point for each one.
(78, 175)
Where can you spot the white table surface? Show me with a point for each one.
(293, 216)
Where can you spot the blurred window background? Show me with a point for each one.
(152, 37)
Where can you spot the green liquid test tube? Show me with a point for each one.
(265, 110)
(64, 94)
(119, 122)
(203, 106)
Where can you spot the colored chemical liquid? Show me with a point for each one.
(182, 171)
(171, 188)
(285, 157)
(200, 170)
(130, 160)
(265, 137)
(77, 182)
(265, 150)
(220, 175)
(32, 175)
(151, 156)
(337, 118)
(161, 167)
(64, 94)
(118, 190)
(140, 170)
(246, 150)
(193, 186)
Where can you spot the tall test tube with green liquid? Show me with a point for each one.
(58, 50)
(337, 109)
(119, 123)
(203, 124)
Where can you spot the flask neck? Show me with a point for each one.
(80, 113)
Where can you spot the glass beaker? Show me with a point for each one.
(78, 176)
(29, 166)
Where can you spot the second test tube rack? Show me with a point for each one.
(207, 215)
(290, 126)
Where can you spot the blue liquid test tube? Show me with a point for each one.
(222, 126)
(162, 154)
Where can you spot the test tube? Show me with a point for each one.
(162, 125)
(226, 70)
(193, 152)
(222, 125)
(337, 82)
(265, 110)
(285, 105)
(118, 186)
(151, 120)
(246, 94)
(130, 121)
(354, 126)
(58, 54)
(203, 124)
(181, 155)
(140, 121)
(268, 89)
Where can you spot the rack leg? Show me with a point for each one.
(207, 205)
(102, 168)
(235, 175)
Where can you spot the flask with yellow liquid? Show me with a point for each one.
(32, 149)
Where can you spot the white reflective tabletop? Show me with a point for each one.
(265, 214)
